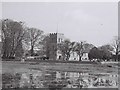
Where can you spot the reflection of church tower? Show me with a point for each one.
(55, 38)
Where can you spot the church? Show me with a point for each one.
(55, 53)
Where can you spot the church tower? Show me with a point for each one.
(54, 39)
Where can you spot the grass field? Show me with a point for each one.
(10, 66)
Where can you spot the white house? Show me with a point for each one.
(85, 57)
(75, 57)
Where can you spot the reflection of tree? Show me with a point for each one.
(10, 80)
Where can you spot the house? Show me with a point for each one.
(75, 57)
(85, 57)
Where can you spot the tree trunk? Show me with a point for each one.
(5, 50)
(116, 56)
(68, 56)
(80, 58)
(11, 55)
(63, 57)
(4, 55)
(32, 51)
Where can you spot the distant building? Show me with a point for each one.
(85, 56)
(54, 39)
(74, 56)
(55, 54)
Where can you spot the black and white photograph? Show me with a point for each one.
(59, 45)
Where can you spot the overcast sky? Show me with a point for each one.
(96, 23)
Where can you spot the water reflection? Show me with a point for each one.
(58, 79)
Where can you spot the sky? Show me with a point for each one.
(93, 22)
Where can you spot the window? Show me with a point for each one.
(59, 40)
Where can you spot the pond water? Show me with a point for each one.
(58, 79)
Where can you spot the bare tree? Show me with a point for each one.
(66, 47)
(45, 46)
(79, 49)
(116, 46)
(33, 37)
(12, 39)
(82, 47)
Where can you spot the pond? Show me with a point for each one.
(58, 79)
